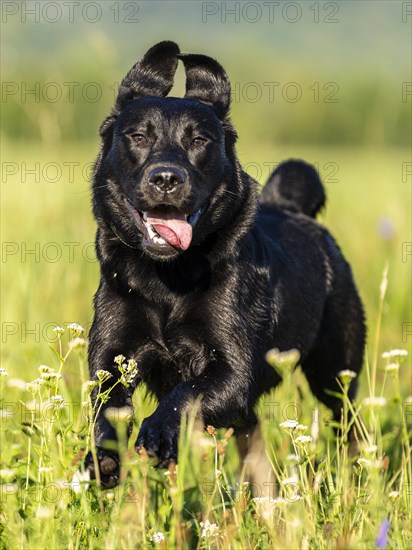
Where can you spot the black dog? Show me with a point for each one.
(199, 278)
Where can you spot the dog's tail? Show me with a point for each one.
(295, 186)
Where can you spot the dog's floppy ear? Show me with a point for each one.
(152, 75)
(207, 81)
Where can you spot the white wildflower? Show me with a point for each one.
(374, 401)
(301, 428)
(293, 458)
(58, 330)
(119, 359)
(157, 538)
(128, 371)
(394, 353)
(289, 424)
(394, 495)
(78, 343)
(34, 386)
(57, 401)
(50, 376)
(371, 449)
(75, 327)
(80, 479)
(208, 529)
(103, 375)
(89, 386)
(44, 369)
(303, 439)
(6, 474)
(3, 373)
(363, 462)
(346, 376)
(392, 367)
(290, 481)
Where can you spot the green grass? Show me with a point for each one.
(339, 503)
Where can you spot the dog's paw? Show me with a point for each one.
(109, 467)
(158, 436)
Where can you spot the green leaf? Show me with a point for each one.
(54, 350)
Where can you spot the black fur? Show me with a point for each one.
(257, 275)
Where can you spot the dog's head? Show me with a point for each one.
(167, 174)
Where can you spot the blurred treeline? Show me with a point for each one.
(307, 82)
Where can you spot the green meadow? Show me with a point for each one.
(326, 498)
(301, 90)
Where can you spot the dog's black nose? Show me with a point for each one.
(166, 178)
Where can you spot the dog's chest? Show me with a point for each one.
(176, 348)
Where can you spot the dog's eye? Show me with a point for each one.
(140, 139)
(198, 141)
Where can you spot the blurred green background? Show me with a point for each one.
(323, 81)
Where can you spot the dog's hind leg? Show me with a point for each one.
(256, 469)
(339, 347)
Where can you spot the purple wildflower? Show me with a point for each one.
(382, 538)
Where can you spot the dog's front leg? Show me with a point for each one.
(114, 391)
(225, 401)
(119, 399)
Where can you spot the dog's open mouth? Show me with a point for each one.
(165, 226)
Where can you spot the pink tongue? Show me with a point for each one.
(172, 226)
